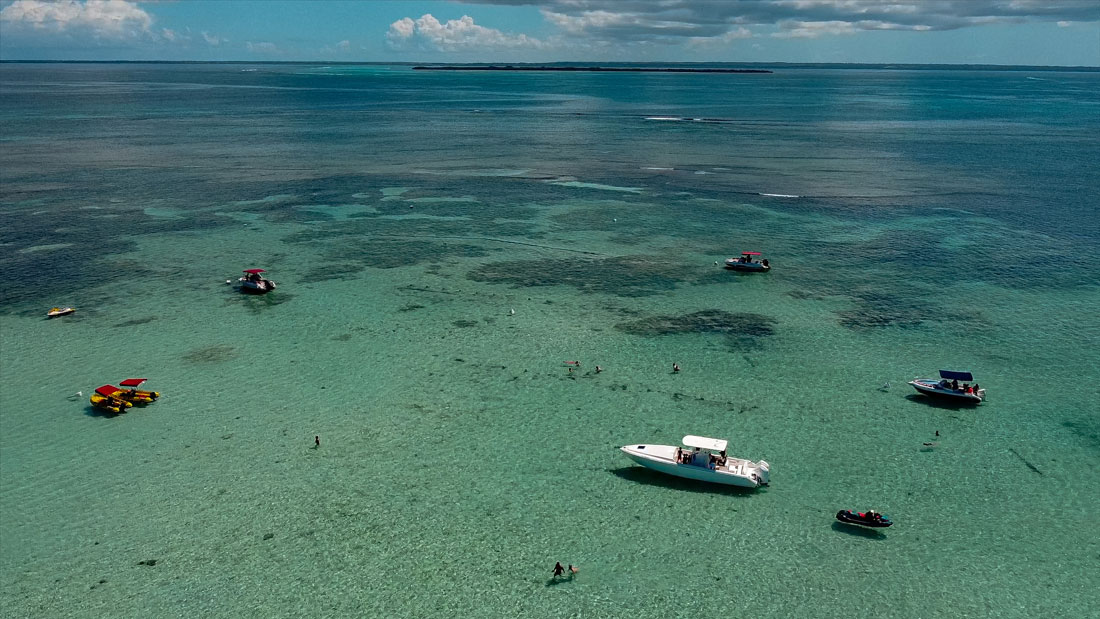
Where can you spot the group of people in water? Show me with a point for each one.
(559, 571)
(749, 260)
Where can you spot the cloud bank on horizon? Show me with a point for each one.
(533, 30)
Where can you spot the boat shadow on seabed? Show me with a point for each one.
(641, 475)
(858, 531)
(938, 403)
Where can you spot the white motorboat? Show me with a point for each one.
(948, 387)
(700, 458)
(747, 263)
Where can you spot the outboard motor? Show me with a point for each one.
(763, 472)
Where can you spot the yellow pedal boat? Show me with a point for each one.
(135, 396)
(108, 398)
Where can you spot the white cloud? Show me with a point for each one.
(735, 34)
(454, 35)
(711, 21)
(813, 29)
(106, 19)
(343, 47)
(212, 39)
(262, 47)
(171, 35)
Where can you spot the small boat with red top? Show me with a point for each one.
(870, 518)
(254, 283)
(109, 398)
(948, 387)
(135, 396)
(747, 263)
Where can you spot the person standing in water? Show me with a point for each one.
(558, 569)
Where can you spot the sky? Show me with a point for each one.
(1007, 32)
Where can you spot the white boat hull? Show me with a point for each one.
(734, 265)
(735, 471)
(931, 387)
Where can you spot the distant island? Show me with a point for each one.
(581, 68)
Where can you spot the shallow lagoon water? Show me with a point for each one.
(938, 223)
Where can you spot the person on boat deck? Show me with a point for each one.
(975, 388)
(966, 387)
(955, 384)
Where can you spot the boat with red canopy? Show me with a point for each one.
(747, 262)
(135, 396)
(109, 398)
(254, 283)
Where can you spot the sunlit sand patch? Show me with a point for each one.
(53, 247)
(490, 172)
(599, 186)
(442, 199)
(393, 193)
(338, 212)
(268, 200)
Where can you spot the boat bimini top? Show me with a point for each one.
(949, 375)
(702, 442)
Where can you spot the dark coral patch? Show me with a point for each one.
(626, 276)
(210, 354)
(135, 322)
(744, 324)
(393, 253)
(333, 271)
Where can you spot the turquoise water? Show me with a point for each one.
(918, 220)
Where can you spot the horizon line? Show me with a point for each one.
(1088, 68)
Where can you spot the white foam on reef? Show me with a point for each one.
(442, 199)
(672, 118)
(52, 247)
(599, 186)
(283, 197)
(780, 195)
(388, 193)
(656, 168)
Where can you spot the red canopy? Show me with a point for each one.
(253, 270)
(751, 253)
(107, 390)
(132, 382)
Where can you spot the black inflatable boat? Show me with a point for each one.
(864, 519)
